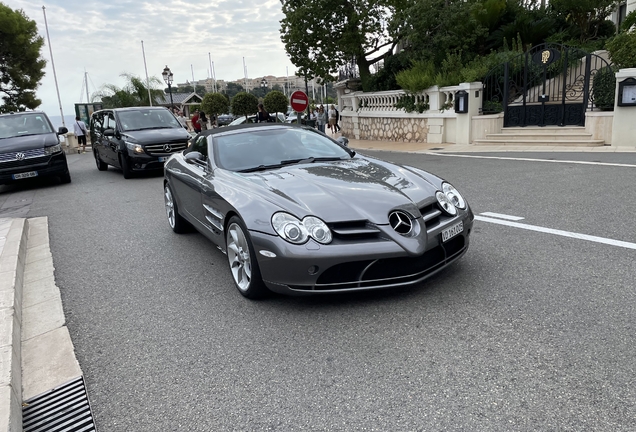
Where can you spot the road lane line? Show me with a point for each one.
(533, 160)
(579, 236)
(502, 216)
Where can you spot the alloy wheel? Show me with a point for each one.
(238, 254)
(169, 206)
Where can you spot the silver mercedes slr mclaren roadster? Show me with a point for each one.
(297, 212)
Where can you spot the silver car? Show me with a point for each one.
(297, 212)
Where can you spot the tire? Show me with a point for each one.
(178, 224)
(101, 165)
(242, 261)
(125, 167)
(66, 177)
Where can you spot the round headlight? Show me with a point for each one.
(445, 203)
(317, 229)
(289, 228)
(453, 195)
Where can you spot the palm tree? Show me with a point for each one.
(133, 93)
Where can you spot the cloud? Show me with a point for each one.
(104, 38)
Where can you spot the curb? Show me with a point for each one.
(35, 346)
(12, 264)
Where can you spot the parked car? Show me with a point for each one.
(252, 119)
(297, 212)
(136, 139)
(225, 119)
(30, 147)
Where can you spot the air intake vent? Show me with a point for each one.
(63, 409)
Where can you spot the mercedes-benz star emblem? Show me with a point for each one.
(167, 148)
(400, 222)
(19, 156)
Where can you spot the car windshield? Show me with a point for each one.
(262, 149)
(14, 125)
(147, 119)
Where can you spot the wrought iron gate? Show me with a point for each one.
(549, 85)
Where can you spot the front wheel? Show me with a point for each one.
(125, 167)
(101, 165)
(175, 220)
(242, 261)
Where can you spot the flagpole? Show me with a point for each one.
(146, 68)
(194, 84)
(212, 71)
(59, 99)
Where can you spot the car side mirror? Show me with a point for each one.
(344, 141)
(62, 130)
(194, 157)
(109, 132)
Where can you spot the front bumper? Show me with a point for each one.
(45, 166)
(144, 162)
(313, 268)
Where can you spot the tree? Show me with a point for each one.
(622, 49)
(320, 36)
(244, 104)
(21, 67)
(215, 104)
(232, 89)
(134, 93)
(587, 16)
(275, 102)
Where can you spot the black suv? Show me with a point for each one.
(30, 147)
(135, 139)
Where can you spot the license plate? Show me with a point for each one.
(451, 232)
(25, 175)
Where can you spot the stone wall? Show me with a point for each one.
(393, 129)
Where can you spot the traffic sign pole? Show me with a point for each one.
(299, 103)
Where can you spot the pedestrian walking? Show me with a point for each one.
(321, 119)
(332, 119)
(262, 116)
(203, 121)
(195, 122)
(79, 129)
(182, 119)
(337, 118)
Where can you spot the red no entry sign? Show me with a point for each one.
(299, 101)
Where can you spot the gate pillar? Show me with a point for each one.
(623, 125)
(464, 133)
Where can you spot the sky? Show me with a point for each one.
(104, 38)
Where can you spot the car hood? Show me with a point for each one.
(158, 136)
(28, 142)
(354, 189)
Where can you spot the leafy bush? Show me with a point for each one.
(629, 21)
(409, 104)
(420, 77)
(214, 104)
(603, 88)
(244, 104)
(622, 49)
(275, 102)
(384, 79)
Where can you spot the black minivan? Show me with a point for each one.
(30, 147)
(135, 139)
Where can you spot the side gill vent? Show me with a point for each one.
(63, 409)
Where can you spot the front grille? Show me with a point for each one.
(158, 148)
(63, 409)
(28, 154)
(354, 230)
(387, 271)
(24, 163)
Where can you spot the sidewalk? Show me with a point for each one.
(37, 356)
(457, 148)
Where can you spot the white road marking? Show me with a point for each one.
(533, 160)
(603, 240)
(502, 216)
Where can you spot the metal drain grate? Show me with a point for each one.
(63, 409)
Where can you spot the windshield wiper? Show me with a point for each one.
(310, 159)
(150, 127)
(260, 168)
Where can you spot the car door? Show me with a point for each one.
(97, 137)
(110, 143)
(187, 183)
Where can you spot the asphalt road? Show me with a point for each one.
(529, 331)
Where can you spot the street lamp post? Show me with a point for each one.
(167, 77)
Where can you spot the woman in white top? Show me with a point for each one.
(332, 118)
